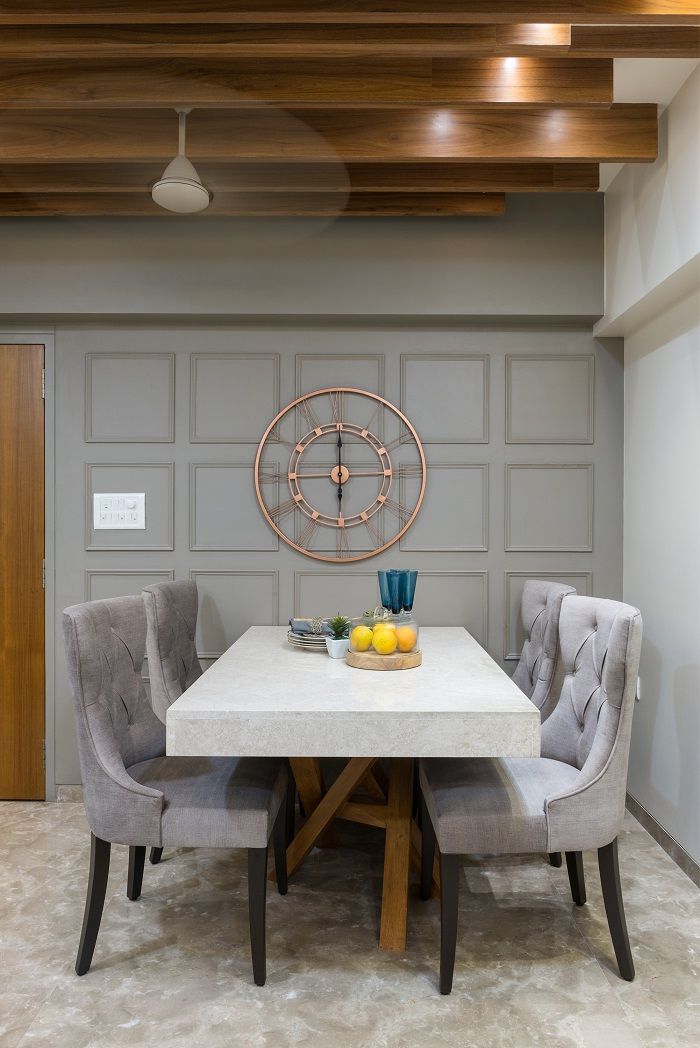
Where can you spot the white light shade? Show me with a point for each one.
(180, 189)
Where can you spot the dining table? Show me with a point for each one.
(264, 698)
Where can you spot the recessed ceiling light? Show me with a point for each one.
(510, 63)
(180, 188)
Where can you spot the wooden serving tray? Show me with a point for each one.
(371, 660)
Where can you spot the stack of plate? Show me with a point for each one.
(307, 641)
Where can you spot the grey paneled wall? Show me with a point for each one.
(523, 435)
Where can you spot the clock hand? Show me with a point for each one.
(340, 474)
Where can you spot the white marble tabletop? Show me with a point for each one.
(264, 698)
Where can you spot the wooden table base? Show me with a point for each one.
(387, 805)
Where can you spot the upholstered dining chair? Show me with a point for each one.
(570, 799)
(540, 608)
(173, 663)
(135, 795)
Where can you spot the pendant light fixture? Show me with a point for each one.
(180, 189)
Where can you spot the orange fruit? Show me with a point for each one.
(361, 638)
(384, 641)
(406, 638)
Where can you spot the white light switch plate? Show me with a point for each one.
(117, 512)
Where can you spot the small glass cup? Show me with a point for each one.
(395, 591)
(384, 596)
(408, 589)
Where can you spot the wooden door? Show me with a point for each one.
(21, 585)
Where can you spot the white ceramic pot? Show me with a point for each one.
(337, 648)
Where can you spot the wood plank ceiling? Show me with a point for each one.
(304, 107)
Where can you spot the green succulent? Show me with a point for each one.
(339, 626)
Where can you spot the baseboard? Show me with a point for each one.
(669, 844)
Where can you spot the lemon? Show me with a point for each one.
(405, 638)
(384, 626)
(361, 638)
(384, 641)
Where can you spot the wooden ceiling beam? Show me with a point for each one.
(340, 83)
(350, 12)
(617, 133)
(40, 179)
(207, 45)
(247, 41)
(259, 205)
(635, 41)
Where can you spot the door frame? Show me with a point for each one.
(47, 338)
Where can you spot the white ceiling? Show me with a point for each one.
(646, 80)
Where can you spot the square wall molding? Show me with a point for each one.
(446, 397)
(549, 507)
(104, 583)
(455, 598)
(224, 511)
(156, 479)
(130, 398)
(233, 396)
(550, 399)
(454, 517)
(330, 592)
(513, 638)
(230, 602)
(364, 371)
(326, 370)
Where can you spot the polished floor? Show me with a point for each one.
(173, 969)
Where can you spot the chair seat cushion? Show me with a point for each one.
(215, 802)
(491, 806)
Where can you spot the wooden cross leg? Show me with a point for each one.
(311, 788)
(397, 851)
(393, 815)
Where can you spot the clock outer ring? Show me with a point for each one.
(285, 538)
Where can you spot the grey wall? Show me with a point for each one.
(534, 484)
(662, 564)
(543, 257)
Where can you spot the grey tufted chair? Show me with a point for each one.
(539, 611)
(173, 664)
(570, 799)
(171, 614)
(137, 796)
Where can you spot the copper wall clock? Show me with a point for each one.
(340, 474)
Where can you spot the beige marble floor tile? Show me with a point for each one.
(173, 969)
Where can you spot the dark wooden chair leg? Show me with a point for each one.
(156, 854)
(137, 858)
(427, 851)
(94, 902)
(279, 843)
(257, 897)
(555, 859)
(574, 866)
(290, 803)
(449, 896)
(614, 908)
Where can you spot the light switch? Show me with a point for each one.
(116, 512)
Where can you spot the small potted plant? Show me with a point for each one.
(337, 643)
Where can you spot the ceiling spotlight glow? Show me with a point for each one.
(510, 63)
(442, 122)
(180, 188)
